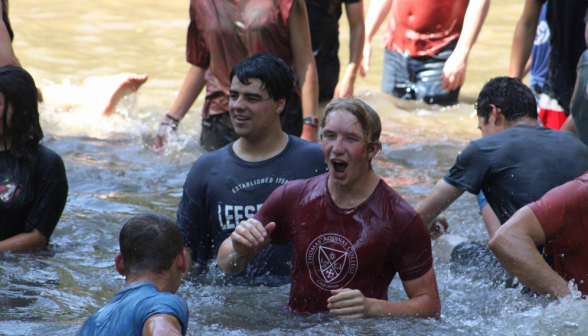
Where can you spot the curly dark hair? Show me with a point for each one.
(20, 92)
(514, 99)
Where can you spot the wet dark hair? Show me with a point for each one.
(514, 99)
(150, 242)
(275, 75)
(20, 92)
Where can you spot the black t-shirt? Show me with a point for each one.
(222, 190)
(323, 19)
(518, 166)
(31, 197)
(566, 23)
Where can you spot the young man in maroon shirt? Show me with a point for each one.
(351, 232)
(559, 221)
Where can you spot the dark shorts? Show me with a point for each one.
(418, 78)
(328, 76)
(217, 130)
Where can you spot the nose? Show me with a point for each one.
(338, 146)
(238, 104)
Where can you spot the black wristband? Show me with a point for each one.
(312, 121)
(173, 123)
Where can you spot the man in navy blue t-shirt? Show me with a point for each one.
(153, 261)
(230, 185)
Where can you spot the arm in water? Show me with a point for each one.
(376, 15)
(357, 34)
(514, 246)
(491, 222)
(423, 301)
(249, 238)
(193, 85)
(305, 66)
(162, 325)
(454, 70)
(524, 36)
(440, 197)
(31, 241)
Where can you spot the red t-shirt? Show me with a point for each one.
(423, 27)
(360, 248)
(223, 32)
(563, 214)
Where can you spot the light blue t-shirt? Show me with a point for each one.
(131, 307)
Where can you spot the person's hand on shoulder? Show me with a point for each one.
(348, 303)
(251, 236)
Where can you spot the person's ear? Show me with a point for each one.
(495, 115)
(375, 147)
(280, 105)
(120, 265)
(182, 262)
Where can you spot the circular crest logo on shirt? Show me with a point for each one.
(332, 261)
(543, 33)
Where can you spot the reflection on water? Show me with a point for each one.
(113, 174)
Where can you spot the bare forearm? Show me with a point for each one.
(191, 88)
(491, 222)
(229, 261)
(376, 15)
(473, 21)
(355, 51)
(440, 197)
(31, 241)
(420, 306)
(308, 79)
(519, 256)
(522, 45)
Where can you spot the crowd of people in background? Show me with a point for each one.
(267, 200)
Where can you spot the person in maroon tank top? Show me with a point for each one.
(351, 232)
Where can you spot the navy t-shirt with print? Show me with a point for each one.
(130, 309)
(222, 190)
(32, 196)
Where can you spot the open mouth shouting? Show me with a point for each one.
(339, 166)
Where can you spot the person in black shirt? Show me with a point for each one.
(323, 19)
(33, 185)
(515, 162)
(232, 183)
(566, 23)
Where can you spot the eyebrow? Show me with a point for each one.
(247, 94)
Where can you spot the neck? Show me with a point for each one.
(523, 121)
(263, 148)
(164, 281)
(354, 194)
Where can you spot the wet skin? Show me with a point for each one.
(252, 110)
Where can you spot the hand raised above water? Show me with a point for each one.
(251, 236)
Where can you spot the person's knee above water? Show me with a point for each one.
(152, 260)
(515, 162)
(559, 221)
(222, 33)
(351, 232)
(323, 20)
(230, 184)
(427, 46)
(33, 185)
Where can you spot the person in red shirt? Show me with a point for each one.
(221, 34)
(427, 46)
(560, 221)
(351, 232)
